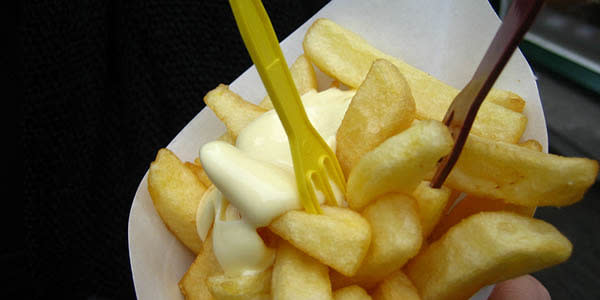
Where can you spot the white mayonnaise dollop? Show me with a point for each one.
(255, 179)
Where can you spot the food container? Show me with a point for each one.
(447, 39)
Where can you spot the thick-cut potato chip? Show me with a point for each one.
(176, 191)
(232, 109)
(193, 284)
(492, 169)
(397, 237)
(338, 238)
(471, 205)
(353, 292)
(382, 107)
(298, 276)
(304, 77)
(243, 287)
(398, 164)
(347, 57)
(396, 286)
(431, 203)
(483, 249)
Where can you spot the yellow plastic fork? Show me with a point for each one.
(315, 164)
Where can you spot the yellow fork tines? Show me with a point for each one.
(315, 164)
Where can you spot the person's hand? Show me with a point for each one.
(521, 288)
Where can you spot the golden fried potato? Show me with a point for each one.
(532, 145)
(347, 57)
(243, 287)
(232, 109)
(492, 169)
(353, 292)
(485, 248)
(507, 99)
(398, 164)
(396, 286)
(193, 284)
(196, 167)
(382, 107)
(202, 174)
(338, 238)
(176, 191)
(304, 77)
(397, 237)
(431, 203)
(298, 276)
(471, 205)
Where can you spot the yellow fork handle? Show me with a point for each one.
(262, 44)
(260, 40)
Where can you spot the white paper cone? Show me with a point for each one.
(444, 38)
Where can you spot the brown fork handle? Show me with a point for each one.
(461, 113)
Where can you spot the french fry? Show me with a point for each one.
(485, 248)
(382, 107)
(399, 163)
(471, 205)
(431, 203)
(176, 191)
(193, 284)
(304, 77)
(491, 169)
(242, 287)
(299, 276)
(202, 174)
(507, 99)
(347, 57)
(353, 292)
(232, 109)
(323, 235)
(397, 237)
(396, 286)
(197, 169)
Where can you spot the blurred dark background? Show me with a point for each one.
(107, 83)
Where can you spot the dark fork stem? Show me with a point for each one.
(461, 113)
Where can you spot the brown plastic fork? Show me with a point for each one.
(461, 113)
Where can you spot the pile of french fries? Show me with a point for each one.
(398, 238)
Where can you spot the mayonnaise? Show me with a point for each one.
(260, 190)
(205, 213)
(236, 244)
(256, 176)
(265, 139)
